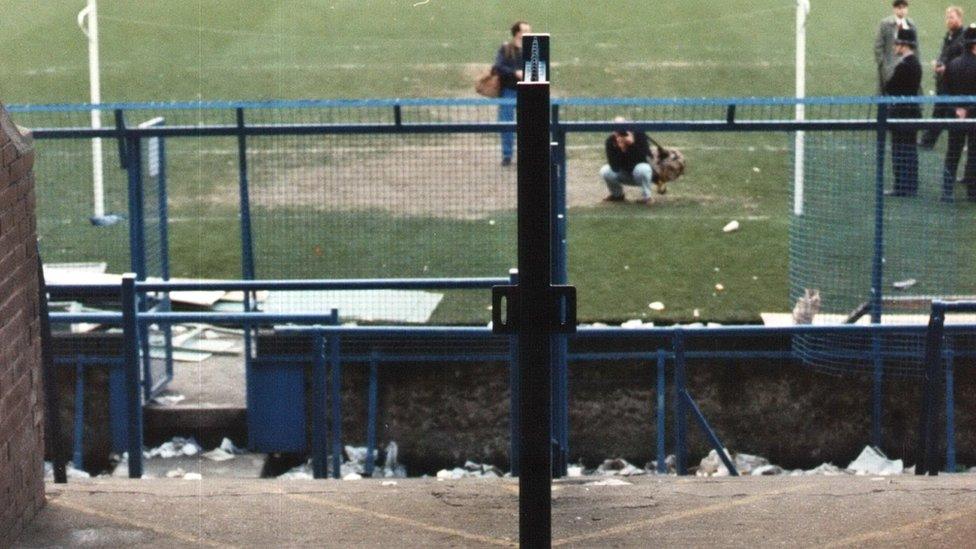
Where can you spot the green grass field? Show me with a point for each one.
(621, 258)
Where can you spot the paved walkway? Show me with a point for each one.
(689, 512)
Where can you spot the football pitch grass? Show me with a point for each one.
(621, 257)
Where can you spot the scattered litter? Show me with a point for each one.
(69, 469)
(217, 454)
(179, 446)
(302, 472)
(574, 471)
(633, 323)
(609, 482)
(352, 469)
(696, 313)
(656, 306)
(731, 226)
(470, 470)
(618, 467)
(826, 469)
(491, 221)
(168, 400)
(175, 473)
(904, 284)
(756, 169)
(388, 483)
(872, 461)
(719, 287)
(228, 446)
(193, 476)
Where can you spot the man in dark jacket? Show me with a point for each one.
(905, 80)
(952, 47)
(508, 65)
(627, 163)
(960, 79)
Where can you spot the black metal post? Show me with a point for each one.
(925, 454)
(52, 400)
(534, 314)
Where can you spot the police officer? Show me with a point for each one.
(960, 79)
(952, 47)
(905, 80)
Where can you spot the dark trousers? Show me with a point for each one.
(904, 162)
(939, 110)
(958, 139)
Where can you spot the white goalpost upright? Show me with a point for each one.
(802, 10)
(88, 22)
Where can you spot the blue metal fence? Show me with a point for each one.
(248, 121)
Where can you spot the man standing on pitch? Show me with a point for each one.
(960, 79)
(884, 53)
(905, 80)
(508, 65)
(952, 47)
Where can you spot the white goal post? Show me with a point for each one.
(88, 22)
(802, 10)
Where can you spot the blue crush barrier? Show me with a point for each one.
(323, 329)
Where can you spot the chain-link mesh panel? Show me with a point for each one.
(65, 195)
(381, 205)
(837, 240)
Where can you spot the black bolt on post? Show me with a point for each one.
(534, 308)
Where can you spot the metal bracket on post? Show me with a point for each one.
(505, 306)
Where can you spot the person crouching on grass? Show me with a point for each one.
(628, 163)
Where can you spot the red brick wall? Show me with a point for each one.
(21, 393)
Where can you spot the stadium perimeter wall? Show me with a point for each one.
(21, 397)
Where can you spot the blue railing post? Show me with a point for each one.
(371, 405)
(78, 449)
(661, 387)
(335, 399)
(319, 416)
(925, 455)
(560, 378)
(680, 409)
(130, 331)
(950, 411)
(877, 277)
(514, 418)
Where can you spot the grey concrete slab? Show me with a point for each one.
(687, 512)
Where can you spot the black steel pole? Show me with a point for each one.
(534, 314)
(51, 398)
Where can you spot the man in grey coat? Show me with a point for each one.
(884, 42)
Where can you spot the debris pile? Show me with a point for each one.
(470, 470)
(354, 467)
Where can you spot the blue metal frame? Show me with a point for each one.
(132, 317)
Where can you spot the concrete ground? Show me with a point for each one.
(818, 511)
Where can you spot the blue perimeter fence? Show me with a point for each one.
(254, 128)
(327, 359)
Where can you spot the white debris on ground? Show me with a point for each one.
(168, 399)
(354, 467)
(224, 452)
(618, 467)
(731, 226)
(179, 446)
(609, 482)
(872, 461)
(70, 471)
(470, 470)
